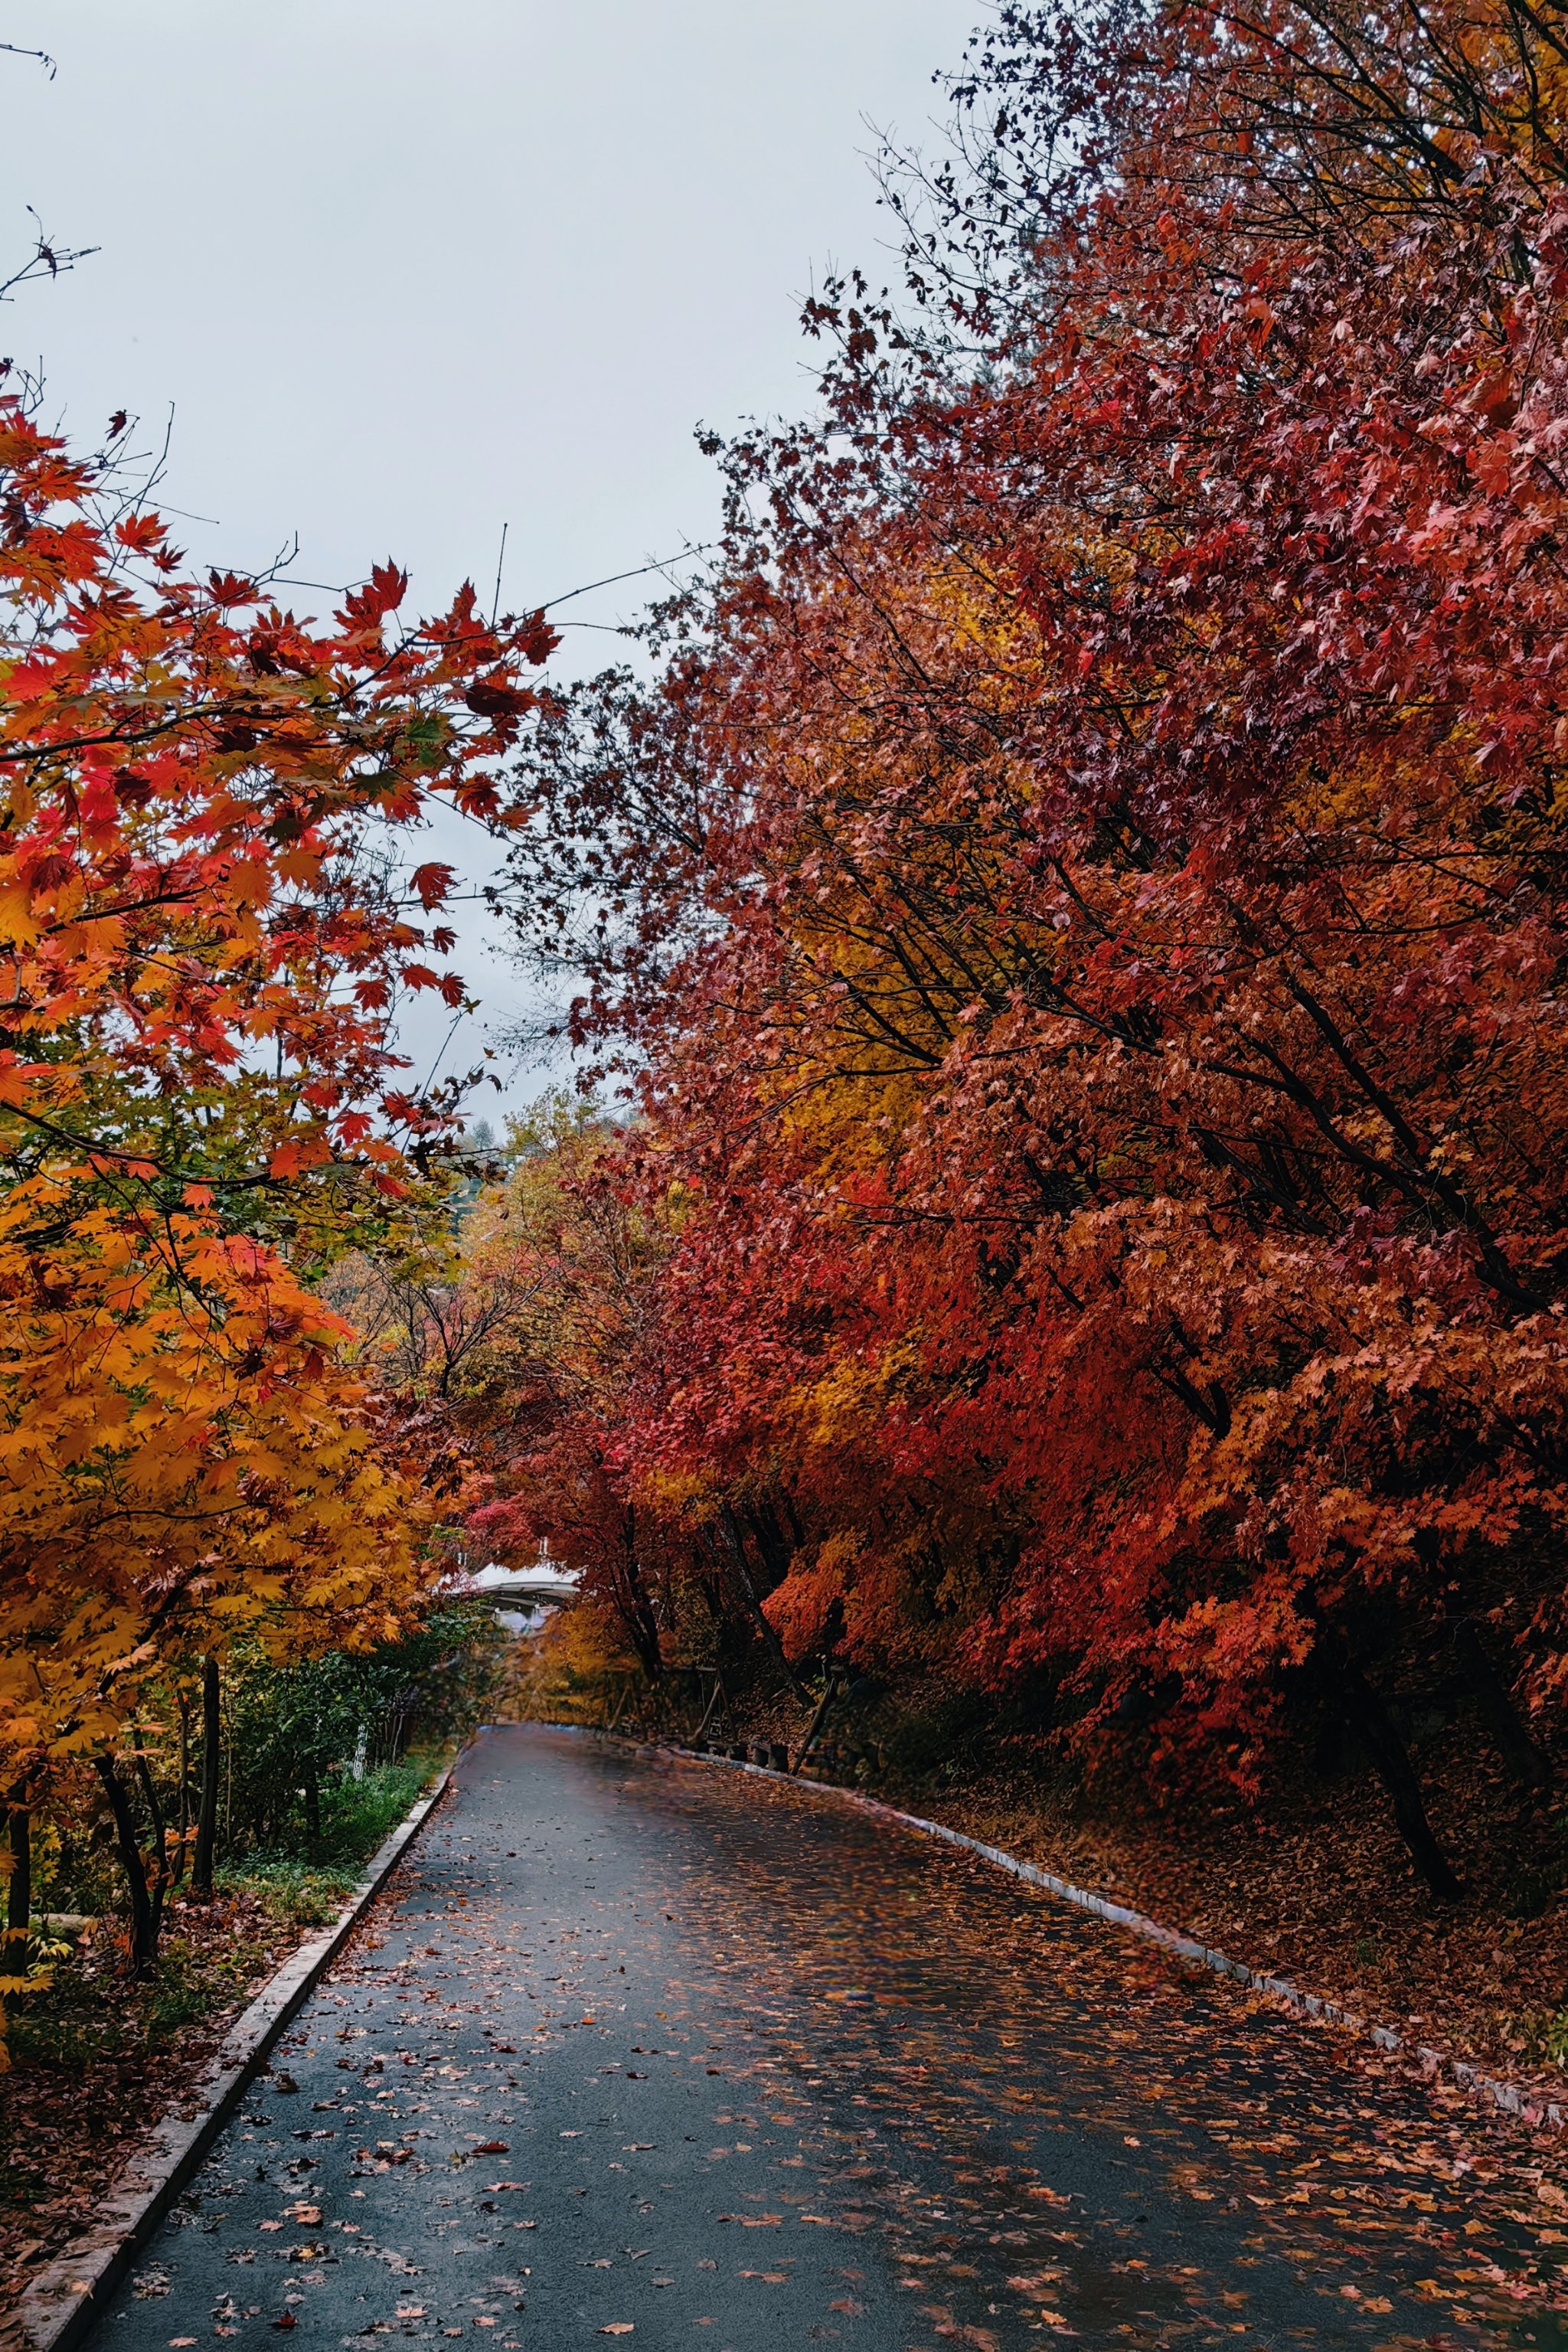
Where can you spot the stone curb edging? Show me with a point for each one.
(66, 2300)
(1512, 2097)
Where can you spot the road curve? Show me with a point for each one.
(672, 2054)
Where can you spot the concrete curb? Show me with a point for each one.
(65, 2301)
(1514, 2098)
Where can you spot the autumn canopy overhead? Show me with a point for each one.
(1083, 904)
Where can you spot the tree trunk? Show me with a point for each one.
(161, 1873)
(183, 1835)
(143, 1920)
(312, 1803)
(19, 1887)
(773, 1547)
(747, 1586)
(1503, 1718)
(1372, 1725)
(206, 1813)
(632, 1601)
(18, 1901)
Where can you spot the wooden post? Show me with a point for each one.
(819, 1720)
(715, 1698)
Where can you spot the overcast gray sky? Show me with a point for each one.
(406, 270)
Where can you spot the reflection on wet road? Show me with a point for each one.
(682, 2055)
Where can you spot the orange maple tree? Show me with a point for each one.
(205, 932)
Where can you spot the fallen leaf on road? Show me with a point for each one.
(411, 2311)
(288, 2320)
(619, 2328)
(492, 2148)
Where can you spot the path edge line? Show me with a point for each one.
(67, 2299)
(1513, 2098)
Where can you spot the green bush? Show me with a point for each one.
(309, 1747)
(1540, 2035)
(355, 1816)
(317, 1763)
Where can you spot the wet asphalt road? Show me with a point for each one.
(679, 2055)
